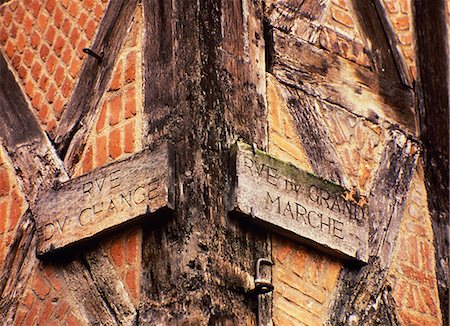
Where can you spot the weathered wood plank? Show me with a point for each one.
(433, 89)
(105, 198)
(79, 115)
(315, 138)
(298, 204)
(361, 290)
(341, 82)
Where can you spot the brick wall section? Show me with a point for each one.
(401, 18)
(359, 144)
(284, 142)
(42, 42)
(413, 271)
(117, 134)
(12, 203)
(304, 281)
(341, 33)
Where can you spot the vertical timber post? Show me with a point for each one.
(204, 89)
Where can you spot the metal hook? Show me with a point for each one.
(262, 286)
(92, 53)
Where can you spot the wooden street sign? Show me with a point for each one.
(104, 199)
(298, 204)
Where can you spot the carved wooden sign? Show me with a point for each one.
(298, 204)
(104, 199)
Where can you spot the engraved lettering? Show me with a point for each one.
(313, 194)
(337, 226)
(288, 209)
(112, 206)
(139, 195)
(85, 217)
(310, 215)
(126, 200)
(269, 201)
(114, 179)
(87, 187)
(272, 176)
(61, 227)
(100, 185)
(300, 212)
(48, 231)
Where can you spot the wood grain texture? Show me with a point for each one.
(336, 80)
(361, 289)
(81, 111)
(205, 88)
(433, 89)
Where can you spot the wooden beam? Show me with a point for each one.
(381, 40)
(359, 290)
(433, 89)
(333, 79)
(81, 111)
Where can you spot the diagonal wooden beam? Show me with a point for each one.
(364, 294)
(79, 115)
(338, 81)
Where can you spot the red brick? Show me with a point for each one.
(98, 12)
(43, 112)
(115, 146)
(132, 283)
(42, 22)
(46, 312)
(3, 218)
(50, 64)
(28, 24)
(22, 71)
(28, 57)
(43, 81)
(29, 88)
(51, 93)
(66, 27)
(21, 42)
(10, 50)
(28, 300)
(30, 319)
(342, 17)
(402, 23)
(4, 182)
(44, 52)
(7, 17)
(88, 4)
(16, 61)
(59, 44)
(67, 55)
(88, 161)
(13, 31)
(51, 275)
(71, 320)
(404, 6)
(58, 18)
(115, 108)
(129, 137)
(102, 118)
(90, 29)
(101, 154)
(60, 310)
(73, 9)
(130, 103)
(130, 72)
(50, 35)
(117, 252)
(40, 286)
(75, 66)
(117, 79)
(65, 3)
(66, 87)
(20, 316)
(3, 36)
(50, 6)
(82, 20)
(36, 70)
(16, 209)
(131, 247)
(59, 75)
(58, 106)
(35, 7)
(36, 101)
(74, 36)
(19, 15)
(35, 40)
